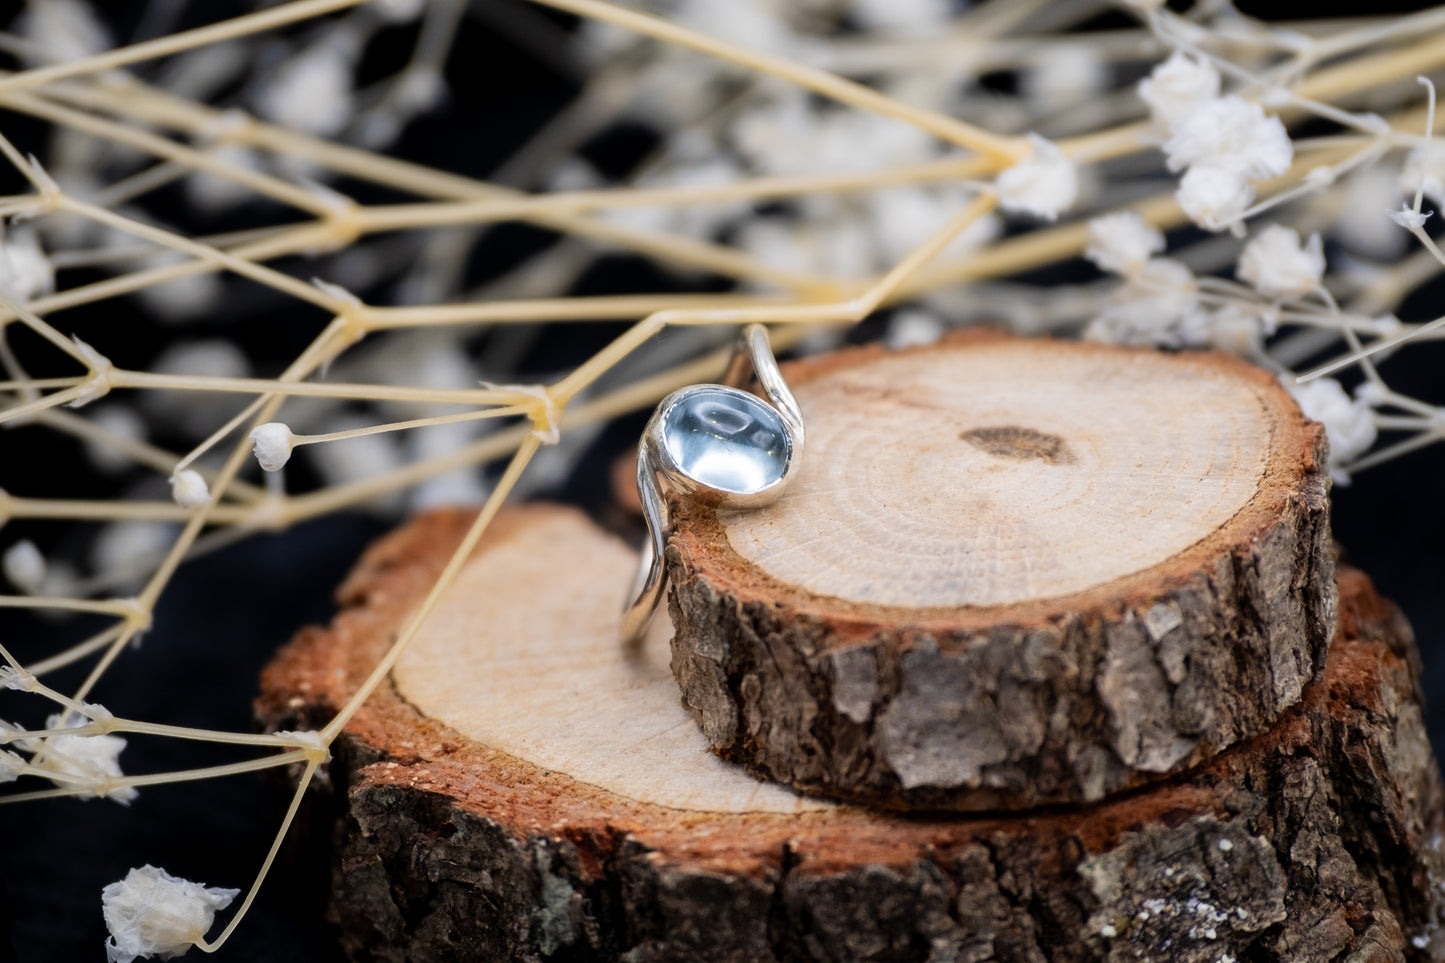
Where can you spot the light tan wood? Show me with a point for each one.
(580, 706)
(1010, 472)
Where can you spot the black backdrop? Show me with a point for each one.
(223, 615)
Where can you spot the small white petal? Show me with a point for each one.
(189, 489)
(1213, 197)
(1043, 184)
(1122, 243)
(24, 566)
(1278, 266)
(911, 326)
(87, 761)
(118, 421)
(1409, 218)
(151, 912)
(1063, 77)
(271, 443)
(311, 92)
(1158, 305)
(1425, 165)
(913, 17)
(1176, 87)
(1360, 227)
(1230, 133)
(25, 273)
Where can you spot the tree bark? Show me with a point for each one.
(474, 823)
(1011, 573)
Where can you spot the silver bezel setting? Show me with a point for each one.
(660, 477)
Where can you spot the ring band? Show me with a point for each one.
(717, 444)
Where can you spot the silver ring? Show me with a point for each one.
(718, 445)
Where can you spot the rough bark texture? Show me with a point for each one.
(1038, 701)
(1318, 840)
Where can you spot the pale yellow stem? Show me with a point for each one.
(1005, 150)
(123, 378)
(267, 276)
(459, 557)
(140, 452)
(76, 652)
(175, 43)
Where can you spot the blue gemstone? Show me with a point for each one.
(728, 440)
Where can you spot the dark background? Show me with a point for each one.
(224, 615)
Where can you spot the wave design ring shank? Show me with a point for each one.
(717, 444)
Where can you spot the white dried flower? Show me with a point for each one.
(1360, 227)
(189, 489)
(1425, 165)
(129, 545)
(1158, 305)
(152, 913)
(748, 23)
(1409, 218)
(905, 217)
(184, 298)
(271, 444)
(12, 766)
(1043, 184)
(308, 739)
(25, 273)
(119, 421)
(1278, 266)
(24, 566)
(1232, 330)
(901, 16)
(311, 92)
(910, 326)
(1213, 197)
(400, 11)
(62, 31)
(1348, 422)
(1176, 88)
(1230, 133)
(1122, 243)
(1063, 77)
(86, 762)
(214, 193)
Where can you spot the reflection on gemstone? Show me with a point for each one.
(726, 439)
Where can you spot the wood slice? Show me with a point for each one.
(1010, 573)
(523, 791)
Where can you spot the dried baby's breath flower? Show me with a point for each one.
(1122, 243)
(1278, 266)
(1044, 184)
(189, 489)
(24, 566)
(271, 443)
(152, 913)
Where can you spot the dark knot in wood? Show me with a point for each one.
(1013, 441)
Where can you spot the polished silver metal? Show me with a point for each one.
(701, 445)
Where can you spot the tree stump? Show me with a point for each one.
(524, 790)
(1011, 573)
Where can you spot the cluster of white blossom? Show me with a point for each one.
(1223, 144)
